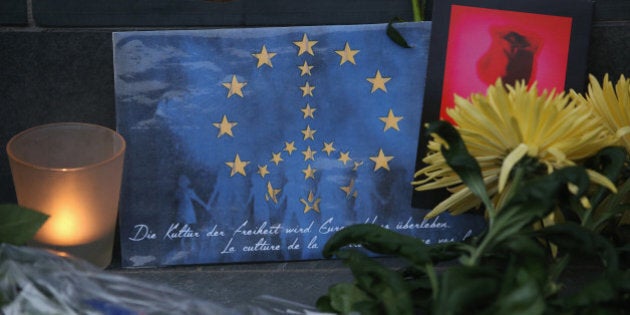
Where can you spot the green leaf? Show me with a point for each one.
(458, 158)
(346, 297)
(574, 238)
(535, 199)
(527, 252)
(611, 207)
(386, 286)
(18, 224)
(547, 191)
(463, 290)
(608, 161)
(420, 286)
(379, 240)
(524, 280)
(522, 297)
(323, 305)
(395, 35)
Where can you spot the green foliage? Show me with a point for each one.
(511, 268)
(372, 238)
(18, 224)
(395, 35)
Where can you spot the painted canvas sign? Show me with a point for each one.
(259, 144)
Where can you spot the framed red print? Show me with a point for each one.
(473, 43)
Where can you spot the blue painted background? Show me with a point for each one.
(196, 193)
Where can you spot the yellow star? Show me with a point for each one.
(276, 158)
(348, 189)
(307, 89)
(309, 154)
(378, 82)
(344, 157)
(308, 111)
(225, 127)
(328, 148)
(305, 45)
(347, 54)
(262, 170)
(272, 193)
(307, 205)
(391, 121)
(309, 172)
(289, 147)
(308, 133)
(305, 69)
(356, 165)
(264, 57)
(237, 166)
(234, 87)
(381, 160)
(310, 203)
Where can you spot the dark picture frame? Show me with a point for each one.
(475, 42)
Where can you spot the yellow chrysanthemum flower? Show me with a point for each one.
(505, 125)
(612, 104)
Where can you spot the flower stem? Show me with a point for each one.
(477, 253)
(430, 270)
(417, 10)
(473, 259)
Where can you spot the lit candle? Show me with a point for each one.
(72, 172)
(73, 219)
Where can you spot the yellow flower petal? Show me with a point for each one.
(621, 132)
(509, 162)
(601, 180)
(449, 202)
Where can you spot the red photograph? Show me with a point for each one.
(487, 44)
(476, 42)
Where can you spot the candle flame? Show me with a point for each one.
(71, 223)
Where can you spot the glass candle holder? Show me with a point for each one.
(73, 173)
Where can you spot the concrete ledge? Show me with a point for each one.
(232, 285)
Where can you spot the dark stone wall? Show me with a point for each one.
(56, 55)
(122, 13)
(13, 12)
